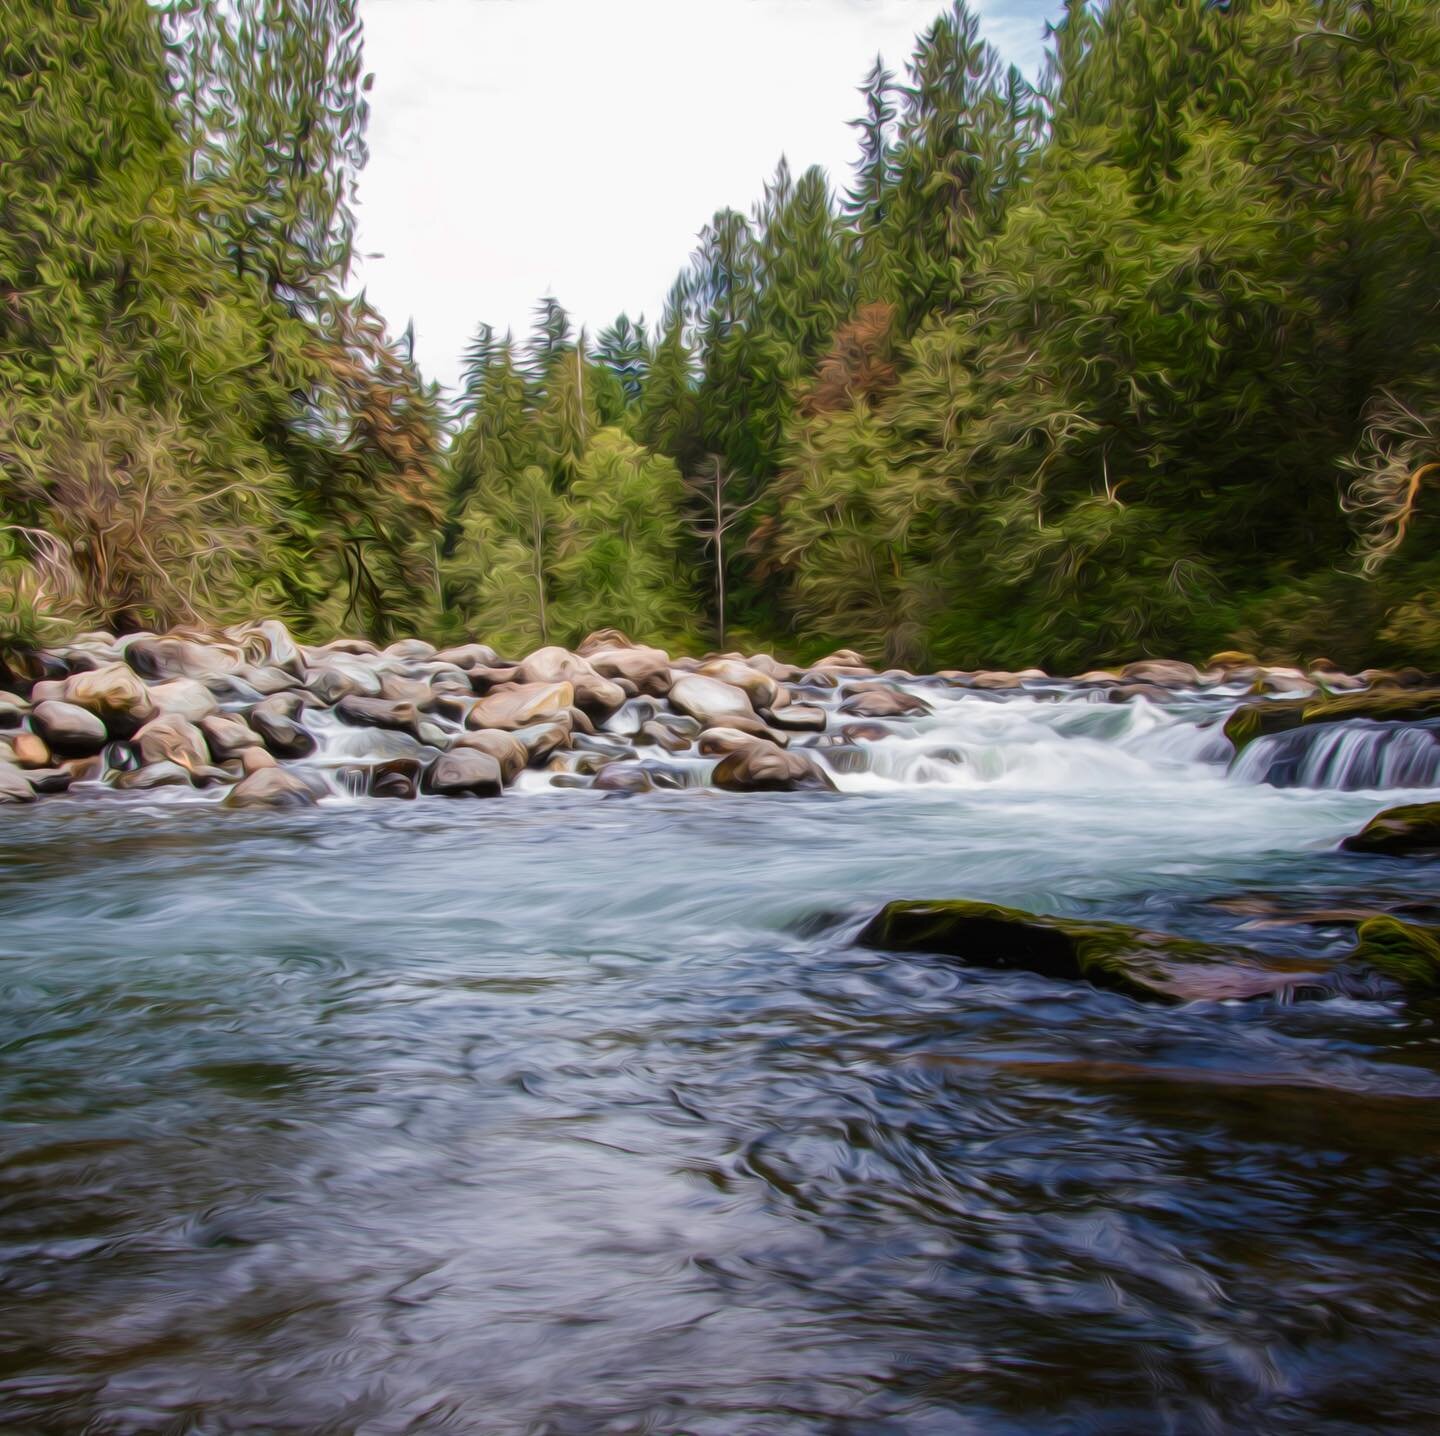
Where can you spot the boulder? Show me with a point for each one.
(275, 720)
(1163, 673)
(664, 735)
(623, 778)
(764, 768)
(176, 657)
(163, 774)
(13, 709)
(709, 701)
(594, 694)
(29, 750)
(505, 748)
(517, 704)
(1403, 951)
(1146, 965)
(541, 740)
(398, 689)
(341, 676)
(876, 701)
(50, 780)
(647, 668)
(378, 713)
(468, 656)
(272, 788)
(175, 740)
(227, 734)
(1409, 831)
(760, 688)
(268, 645)
(255, 760)
(14, 786)
(718, 742)
(67, 729)
(410, 650)
(464, 773)
(115, 696)
(184, 697)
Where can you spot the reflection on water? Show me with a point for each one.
(568, 1114)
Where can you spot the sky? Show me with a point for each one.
(574, 147)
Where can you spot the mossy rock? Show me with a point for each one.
(1404, 951)
(1380, 705)
(1152, 966)
(1397, 832)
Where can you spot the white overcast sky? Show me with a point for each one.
(574, 147)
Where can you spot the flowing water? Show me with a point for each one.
(572, 1113)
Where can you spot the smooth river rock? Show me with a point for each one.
(68, 729)
(764, 768)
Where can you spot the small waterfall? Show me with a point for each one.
(1344, 756)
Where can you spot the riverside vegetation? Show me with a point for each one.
(1140, 358)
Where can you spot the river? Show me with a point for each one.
(572, 1113)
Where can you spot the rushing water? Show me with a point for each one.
(573, 1113)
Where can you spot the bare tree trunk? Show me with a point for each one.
(537, 539)
(720, 554)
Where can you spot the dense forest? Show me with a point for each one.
(1143, 358)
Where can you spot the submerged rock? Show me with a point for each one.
(1403, 951)
(1146, 965)
(1413, 829)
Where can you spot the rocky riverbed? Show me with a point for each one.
(1049, 1053)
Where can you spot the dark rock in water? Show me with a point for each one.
(14, 786)
(364, 712)
(1147, 965)
(464, 773)
(68, 729)
(764, 768)
(1383, 705)
(13, 709)
(1403, 951)
(272, 788)
(848, 758)
(1410, 830)
(876, 701)
(623, 777)
(50, 780)
(274, 721)
(394, 778)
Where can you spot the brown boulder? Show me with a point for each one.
(764, 768)
(505, 748)
(464, 773)
(68, 729)
(517, 704)
(114, 695)
(271, 788)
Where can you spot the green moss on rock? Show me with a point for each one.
(1151, 966)
(1412, 829)
(1404, 951)
(1380, 705)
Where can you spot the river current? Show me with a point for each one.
(575, 1112)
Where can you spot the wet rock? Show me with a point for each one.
(647, 668)
(467, 656)
(14, 785)
(394, 778)
(998, 680)
(68, 729)
(595, 695)
(518, 704)
(760, 688)
(663, 735)
(268, 644)
(1405, 952)
(1412, 830)
(764, 768)
(541, 740)
(396, 688)
(255, 760)
(275, 720)
(623, 778)
(1382, 705)
(709, 701)
(1163, 673)
(115, 696)
(226, 735)
(505, 748)
(378, 713)
(719, 742)
(410, 650)
(796, 718)
(874, 701)
(184, 697)
(50, 780)
(1146, 965)
(342, 677)
(154, 775)
(13, 709)
(30, 751)
(272, 788)
(174, 657)
(249, 680)
(175, 740)
(464, 773)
